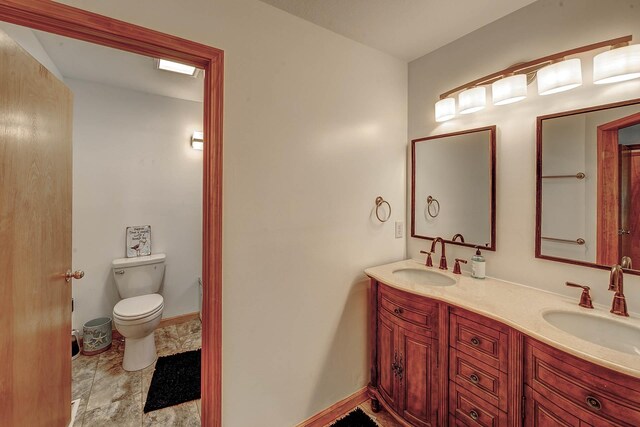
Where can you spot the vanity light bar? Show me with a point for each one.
(554, 73)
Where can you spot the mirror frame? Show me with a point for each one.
(538, 238)
(492, 184)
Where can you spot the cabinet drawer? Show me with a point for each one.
(416, 311)
(486, 382)
(597, 391)
(469, 410)
(473, 335)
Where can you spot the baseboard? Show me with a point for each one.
(336, 410)
(179, 319)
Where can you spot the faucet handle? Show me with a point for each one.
(428, 262)
(585, 297)
(456, 267)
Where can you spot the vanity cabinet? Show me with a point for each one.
(566, 390)
(436, 364)
(408, 356)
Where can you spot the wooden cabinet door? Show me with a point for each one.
(387, 356)
(418, 379)
(35, 242)
(540, 412)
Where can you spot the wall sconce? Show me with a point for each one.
(554, 73)
(197, 140)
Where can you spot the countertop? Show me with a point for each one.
(518, 306)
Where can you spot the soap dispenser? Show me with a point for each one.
(478, 265)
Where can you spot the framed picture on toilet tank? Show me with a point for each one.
(138, 241)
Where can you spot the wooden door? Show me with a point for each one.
(388, 355)
(624, 154)
(35, 242)
(418, 402)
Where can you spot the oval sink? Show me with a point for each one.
(424, 277)
(598, 330)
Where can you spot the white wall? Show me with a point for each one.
(315, 129)
(542, 28)
(133, 165)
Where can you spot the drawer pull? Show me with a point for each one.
(593, 403)
(398, 310)
(474, 378)
(474, 414)
(475, 341)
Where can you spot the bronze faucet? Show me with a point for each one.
(619, 304)
(585, 297)
(626, 262)
(443, 258)
(455, 236)
(428, 261)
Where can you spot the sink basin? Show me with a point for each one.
(598, 330)
(424, 277)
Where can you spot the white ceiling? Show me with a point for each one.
(86, 61)
(406, 29)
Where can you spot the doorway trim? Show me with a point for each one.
(87, 26)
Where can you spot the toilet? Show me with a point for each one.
(138, 313)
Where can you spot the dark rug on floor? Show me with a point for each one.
(176, 380)
(355, 418)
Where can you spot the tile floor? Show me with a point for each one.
(112, 396)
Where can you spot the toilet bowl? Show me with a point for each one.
(139, 312)
(137, 318)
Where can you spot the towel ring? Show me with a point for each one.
(379, 202)
(431, 201)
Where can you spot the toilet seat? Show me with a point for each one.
(138, 308)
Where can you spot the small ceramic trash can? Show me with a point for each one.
(96, 336)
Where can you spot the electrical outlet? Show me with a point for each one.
(399, 229)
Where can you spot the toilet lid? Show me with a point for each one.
(137, 307)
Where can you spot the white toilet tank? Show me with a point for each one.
(138, 276)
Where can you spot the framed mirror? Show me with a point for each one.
(453, 187)
(588, 186)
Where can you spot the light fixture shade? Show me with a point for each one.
(176, 67)
(197, 140)
(445, 109)
(559, 77)
(617, 65)
(509, 89)
(472, 100)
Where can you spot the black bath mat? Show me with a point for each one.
(355, 418)
(176, 380)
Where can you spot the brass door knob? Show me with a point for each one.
(78, 274)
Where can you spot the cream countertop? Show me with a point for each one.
(518, 306)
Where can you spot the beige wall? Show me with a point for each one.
(315, 129)
(540, 29)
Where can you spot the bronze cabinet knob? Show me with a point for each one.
(593, 403)
(474, 378)
(475, 341)
(474, 414)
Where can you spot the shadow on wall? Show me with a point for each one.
(345, 351)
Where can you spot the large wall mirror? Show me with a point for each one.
(453, 187)
(588, 186)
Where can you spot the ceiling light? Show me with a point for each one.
(509, 89)
(197, 140)
(176, 67)
(559, 76)
(617, 65)
(445, 109)
(472, 100)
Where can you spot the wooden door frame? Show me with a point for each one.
(608, 199)
(79, 24)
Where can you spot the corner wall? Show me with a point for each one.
(540, 29)
(315, 130)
